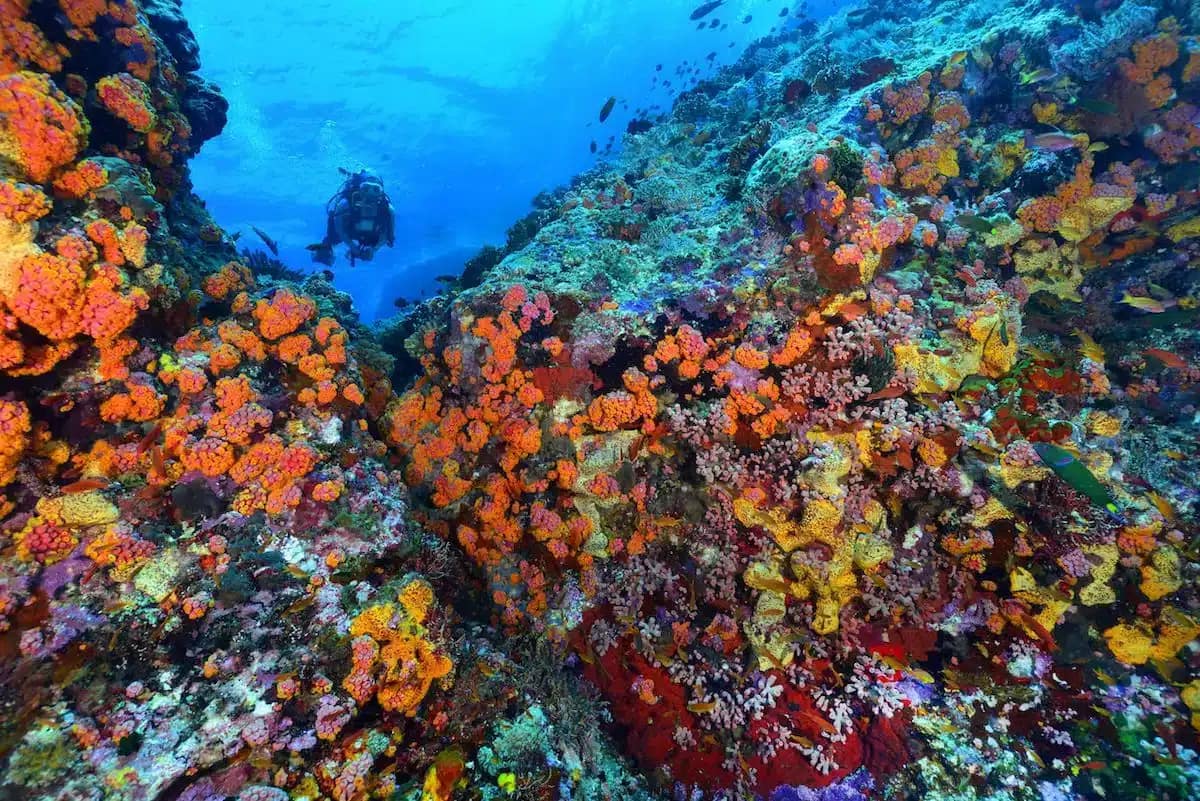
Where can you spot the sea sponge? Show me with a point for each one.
(79, 511)
(1136, 644)
(1161, 574)
(1099, 592)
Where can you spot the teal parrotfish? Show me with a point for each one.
(1075, 473)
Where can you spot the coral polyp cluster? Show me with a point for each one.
(831, 441)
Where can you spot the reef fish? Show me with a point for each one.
(607, 108)
(973, 222)
(85, 485)
(1053, 141)
(1096, 106)
(1089, 347)
(1151, 305)
(1166, 357)
(704, 10)
(271, 244)
(1071, 470)
(1038, 75)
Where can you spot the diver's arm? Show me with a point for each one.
(390, 226)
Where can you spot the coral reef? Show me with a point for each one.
(831, 441)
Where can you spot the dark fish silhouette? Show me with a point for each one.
(593, 146)
(703, 11)
(271, 244)
(607, 108)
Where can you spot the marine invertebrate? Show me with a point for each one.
(390, 640)
(128, 99)
(41, 129)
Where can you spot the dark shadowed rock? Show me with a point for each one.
(166, 17)
(205, 108)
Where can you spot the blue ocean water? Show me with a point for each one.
(466, 109)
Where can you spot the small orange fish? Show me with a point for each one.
(701, 707)
(852, 311)
(156, 460)
(967, 277)
(85, 485)
(1163, 506)
(150, 438)
(1167, 358)
(887, 392)
(774, 585)
(818, 721)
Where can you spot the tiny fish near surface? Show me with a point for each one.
(704, 10)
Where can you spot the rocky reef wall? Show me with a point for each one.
(832, 441)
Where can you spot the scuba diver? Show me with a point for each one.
(360, 215)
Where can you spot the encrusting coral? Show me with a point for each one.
(829, 441)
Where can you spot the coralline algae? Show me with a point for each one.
(726, 479)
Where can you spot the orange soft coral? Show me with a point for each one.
(211, 456)
(49, 296)
(23, 43)
(22, 203)
(14, 437)
(127, 99)
(108, 312)
(229, 280)
(41, 129)
(283, 314)
(81, 180)
(141, 402)
(390, 641)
